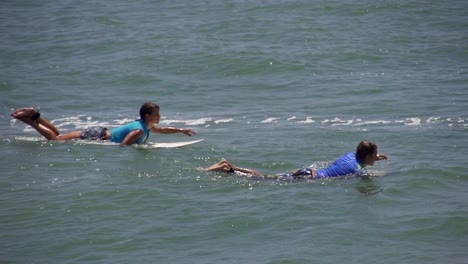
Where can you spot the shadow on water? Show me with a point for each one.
(368, 186)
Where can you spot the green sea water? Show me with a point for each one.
(269, 85)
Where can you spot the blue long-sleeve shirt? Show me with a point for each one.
(344, 165)
(347, 164)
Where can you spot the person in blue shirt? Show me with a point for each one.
(352, 163)
(135, 132)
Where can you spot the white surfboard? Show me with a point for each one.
(108, 143)
(173, 144)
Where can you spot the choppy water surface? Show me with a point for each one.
(268, 85)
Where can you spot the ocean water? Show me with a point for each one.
(270, 85)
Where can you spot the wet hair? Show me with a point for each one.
(365, 148)
(148, 108)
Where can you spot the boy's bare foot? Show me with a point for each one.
(24, 113)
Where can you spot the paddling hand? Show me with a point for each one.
(382, 157)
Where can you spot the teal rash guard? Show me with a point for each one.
(118, 134)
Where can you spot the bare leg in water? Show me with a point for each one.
(31, 117)
(225, 166)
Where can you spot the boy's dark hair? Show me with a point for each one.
(365, 148)
(148, 108)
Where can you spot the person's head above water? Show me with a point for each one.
(147, 109)
(367, 153)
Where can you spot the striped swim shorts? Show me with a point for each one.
(94, 133)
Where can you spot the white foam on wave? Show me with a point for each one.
(360, 122)
(338, 121)
(190, 122)
(200, 121)
(79, 122)
(308, 120)
(432, 120)
(66, 124)
(124, 121)
(270, 120)
(223, 120)
(411, 121)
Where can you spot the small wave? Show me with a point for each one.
(413, 121)
(359, 122)
(270, 120)
(79, 122)
(338, 121)
(124, 121)
(308, 120)
(223, 121)
(432, 120)
(73, 123)
(190, 122)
